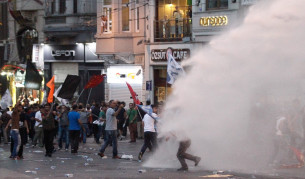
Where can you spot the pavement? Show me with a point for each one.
(87, 164)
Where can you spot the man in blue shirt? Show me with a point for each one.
(74, 128)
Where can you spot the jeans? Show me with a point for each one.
(97, 132)
(85, 132)
(15, 142)
(74, 139)
(149, 141)
(38, 136)
(111, 135)
(63, 134)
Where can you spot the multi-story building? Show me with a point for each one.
(69, 47)
(24, 22)
(122, 32)
(138, 34)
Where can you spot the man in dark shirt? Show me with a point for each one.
(95, 113)
(48, 129)
(121, 120)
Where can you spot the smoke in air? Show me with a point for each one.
(238, 84)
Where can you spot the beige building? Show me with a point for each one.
(120, 43)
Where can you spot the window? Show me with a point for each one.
(62, 6)
(137, 15)
(74, 6)
(106, 19)
(217, 4)
(53, 7)
(125, 15)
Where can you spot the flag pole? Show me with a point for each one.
(80, 95)
(89, 96)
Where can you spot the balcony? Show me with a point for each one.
(172, 30)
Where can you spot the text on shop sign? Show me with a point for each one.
(214, 21)
(178, 54)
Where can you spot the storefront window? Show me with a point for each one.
(217, 4)
(125, 15)
(161, 89)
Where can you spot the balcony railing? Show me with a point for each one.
(172, 30)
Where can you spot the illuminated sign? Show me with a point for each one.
(123, 74)
(66, 53)
(214, 21)
(159, 55)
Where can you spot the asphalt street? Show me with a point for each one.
(87, 164)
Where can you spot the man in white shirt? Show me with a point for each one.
(38, 128)
(149, 131)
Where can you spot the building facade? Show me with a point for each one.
(121, 36)
(141, 32)
(24, 22)
(69, 46)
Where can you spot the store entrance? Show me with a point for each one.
(161, 90)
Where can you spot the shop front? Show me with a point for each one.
(118, 75)
(75, 59)
(157, 89)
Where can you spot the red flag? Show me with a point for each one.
(51, 85)
(133, 94)
(94, 81)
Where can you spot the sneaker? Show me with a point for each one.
(197, 160)
(33, 146)
(140, 156)
(66, 149)
(59, 149)
(116, 157)
(101, 154)
(183, 169)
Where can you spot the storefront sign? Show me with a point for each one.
(77, 52)
(214, 21)
(37, 56)
(63, 52)
(123, 74)
(159, 55)
(67, 53)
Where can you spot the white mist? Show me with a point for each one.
(239, 83)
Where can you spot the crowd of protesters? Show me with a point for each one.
(43, 125)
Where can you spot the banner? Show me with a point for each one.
(6, 100)
(69, 87)
(173, 70)
(32, 77)
(94, 81)
(51, 85)
(133, 94)
(61, 100)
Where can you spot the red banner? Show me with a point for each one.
(133, 94)
(94, 81)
